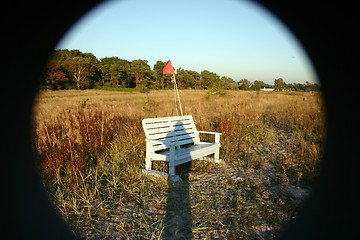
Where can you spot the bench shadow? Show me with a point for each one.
(178, 217)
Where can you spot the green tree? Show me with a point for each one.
(78, 67)
(244, 84)
(279, 84)
(188, 78)
(228, 83)
(104, 67)
(180, 78)
(209, 79)
(124, 69)
(54, 75)
(81, 70)
(142, 73)
(298, 87)
(257, 85)
(115, 72)
(308, 87)
(196, 81)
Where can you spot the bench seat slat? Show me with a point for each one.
(193, 152)
(169, 129)
(169, 125)
(164, 119)
(169, 135)
(158, 147)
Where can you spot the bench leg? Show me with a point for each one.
(172, 169)
(147, 158)
(172, 161)
(217, 152)
(217, 156)
(172, 175)
(148, 164)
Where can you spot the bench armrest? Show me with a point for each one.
(217, 135)
(209, 132)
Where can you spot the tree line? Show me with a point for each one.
(73, 69)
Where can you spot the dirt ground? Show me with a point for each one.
(224, 202)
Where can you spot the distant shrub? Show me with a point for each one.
(142, 89)
(149, 105)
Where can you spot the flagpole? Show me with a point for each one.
(176, 107)
(168, 69)
(178, 96)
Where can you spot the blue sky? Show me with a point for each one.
(237, 39)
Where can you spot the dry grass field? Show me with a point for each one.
(91, 150)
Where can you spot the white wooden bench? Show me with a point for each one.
(176, 140)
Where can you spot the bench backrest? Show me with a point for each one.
(180, 129)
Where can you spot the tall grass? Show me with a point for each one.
(91, 148)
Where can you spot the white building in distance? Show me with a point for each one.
(267, 89)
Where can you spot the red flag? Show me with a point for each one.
(168, 69)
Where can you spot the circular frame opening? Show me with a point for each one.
(31, 208)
